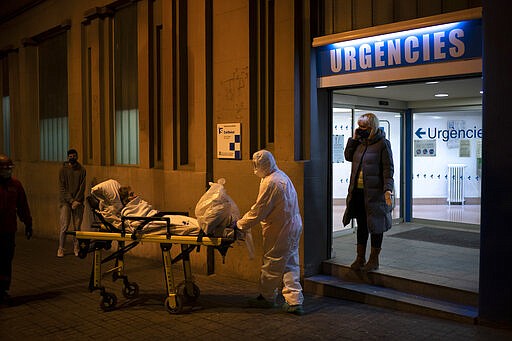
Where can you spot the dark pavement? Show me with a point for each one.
(51, 301)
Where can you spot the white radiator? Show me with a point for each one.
(456, 184)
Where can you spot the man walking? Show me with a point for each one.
(13, 202)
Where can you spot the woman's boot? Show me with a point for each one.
(373, 261)
(360, 259)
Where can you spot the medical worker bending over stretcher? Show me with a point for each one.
(277, 210)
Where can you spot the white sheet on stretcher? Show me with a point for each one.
(180, 224)
(111, 209)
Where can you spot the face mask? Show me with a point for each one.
(363, 133)
(5, 173)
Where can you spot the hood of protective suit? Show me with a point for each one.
(264, 163)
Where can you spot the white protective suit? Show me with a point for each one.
(277, 210)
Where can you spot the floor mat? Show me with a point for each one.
(442, 236)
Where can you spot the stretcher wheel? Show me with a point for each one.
(190, 297)
(174, 304)
(131, 290)
(83, 248)
(108, 301)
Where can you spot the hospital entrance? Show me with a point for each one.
(435, 130)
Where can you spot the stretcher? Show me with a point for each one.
(96, 241)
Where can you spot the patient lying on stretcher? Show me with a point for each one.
(134, 206)
(116, 201)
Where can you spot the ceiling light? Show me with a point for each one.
(441, 95)
(380, 86)
(434, 82)
(338, 110)
(481, 92)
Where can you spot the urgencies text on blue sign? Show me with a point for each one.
(434, 44)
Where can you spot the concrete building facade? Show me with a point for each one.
(141, 89)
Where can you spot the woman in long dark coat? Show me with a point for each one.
(370, 189)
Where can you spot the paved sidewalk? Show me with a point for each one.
(51, 302)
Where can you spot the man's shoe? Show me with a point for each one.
(260, 302)
(60, 252)
(295, 309)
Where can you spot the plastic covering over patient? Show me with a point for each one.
(215, 212)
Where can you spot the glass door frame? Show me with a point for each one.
(401, 164)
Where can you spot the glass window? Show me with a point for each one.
(125, 86)
(6, 124)
(53, 98)
(447, 165)
(6, 107)
(343, 127)
(341, 131)
(391, 123)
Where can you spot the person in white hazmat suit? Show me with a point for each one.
(277, 210)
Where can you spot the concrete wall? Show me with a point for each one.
(169, 188)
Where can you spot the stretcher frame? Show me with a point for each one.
(94, 242)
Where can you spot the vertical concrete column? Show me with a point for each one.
(97, 84)
(196, 33)
(28, 128)
(286, 82)
(14, 96)
(144, 48)
(75, 107)
(167, 76)
(496, 232)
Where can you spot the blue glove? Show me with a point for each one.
(28, 231)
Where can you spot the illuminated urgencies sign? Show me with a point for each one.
(460, 40)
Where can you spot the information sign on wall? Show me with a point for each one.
(338, 143)
(425, 148)
(229, 141)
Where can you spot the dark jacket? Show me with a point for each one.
(375, 157)
(72, 183)
(13, 201)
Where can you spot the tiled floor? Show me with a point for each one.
(460, 214)
(451, 266)
(466, 214)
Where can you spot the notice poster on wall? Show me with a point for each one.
(338, 143)
(478, 152)
(455, 125)
(464, 148)
(229, 141)
(425, 148)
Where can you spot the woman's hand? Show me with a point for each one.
(356, 134)
(387, 197)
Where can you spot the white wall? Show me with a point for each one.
(342, 128)
(430, 173)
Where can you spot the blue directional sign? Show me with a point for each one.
(448, 134)
(419, 133)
